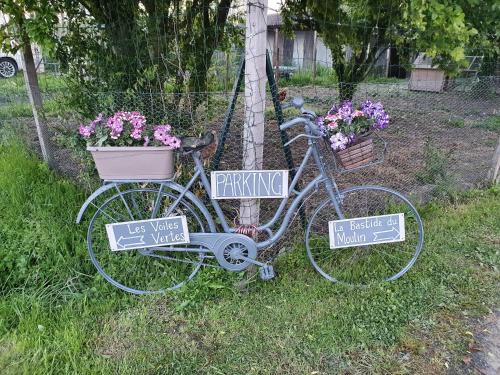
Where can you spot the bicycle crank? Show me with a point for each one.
(234, 252)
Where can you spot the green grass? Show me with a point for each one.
(491, 123)
(14, 110)
(456, 122)
(372, 79)
(50, 296)
(14, 100)
(324, 77)
(57, 316)
(47, 82)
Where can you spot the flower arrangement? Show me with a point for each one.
(127, 129)
(344, 125)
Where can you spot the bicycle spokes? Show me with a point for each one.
(362, 264)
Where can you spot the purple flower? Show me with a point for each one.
(320, 121)
(339, 141)
(136, 134)
(333, 110)
(367, 108)
(346, 111)
(117, 122)
(377, 113)
(87, 130)
(176, 143)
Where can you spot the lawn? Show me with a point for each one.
(14, 99)
(57, 316)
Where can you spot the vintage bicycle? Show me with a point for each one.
(336, 235)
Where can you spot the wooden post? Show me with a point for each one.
(387, 61)
(255, 99)
(226, 78)
(35, 98)
(315, 48)
(494, 174)
(277, 70)
(276, 47)
(276, 54)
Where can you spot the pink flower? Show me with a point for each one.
(358, 113)
(176, 143)
(86, 131)
(146, 141)
(115, 123)
(136, 134)
(332, 118)
(162, 134)
(332, 125)
(98, 118)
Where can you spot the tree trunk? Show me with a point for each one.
(35, 97)
(255, 99)
(346, 90)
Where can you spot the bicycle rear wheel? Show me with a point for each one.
(143, 271)
(364, 265)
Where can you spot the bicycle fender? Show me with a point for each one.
(89, 200)
(170, 184)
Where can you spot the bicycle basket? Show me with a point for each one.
(368, 151)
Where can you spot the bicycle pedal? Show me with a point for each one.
(266, 272)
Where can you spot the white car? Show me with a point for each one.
(8, 66)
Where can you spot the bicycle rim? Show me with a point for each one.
(134, 270)
(371, 264)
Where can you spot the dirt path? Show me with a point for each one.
(486, 357)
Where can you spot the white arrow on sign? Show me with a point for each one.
(386, 235)
(368, 230)
(124, 242)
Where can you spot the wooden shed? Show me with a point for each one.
(425, 76)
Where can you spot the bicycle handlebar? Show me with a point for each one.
(306, 118)
(302, 120)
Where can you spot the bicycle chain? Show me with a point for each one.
(183, 260)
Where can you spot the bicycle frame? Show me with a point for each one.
(322, 178)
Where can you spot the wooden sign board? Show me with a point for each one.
(369, 230)
(148, 233)
(249, 184)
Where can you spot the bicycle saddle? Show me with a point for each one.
(197, 143)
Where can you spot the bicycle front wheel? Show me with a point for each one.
(369, 264)
(144, 271)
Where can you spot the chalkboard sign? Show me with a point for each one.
(249, 184)
(148, 233)
(369, 230)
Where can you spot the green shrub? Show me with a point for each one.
(436, 171)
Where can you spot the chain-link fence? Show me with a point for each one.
(441, 138)
(438, 142)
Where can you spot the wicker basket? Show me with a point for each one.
(357, 155)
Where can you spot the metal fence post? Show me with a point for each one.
(273, 86)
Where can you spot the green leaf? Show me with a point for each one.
(101, 140)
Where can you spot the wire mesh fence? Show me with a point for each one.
(438, 142)
(441, 139)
